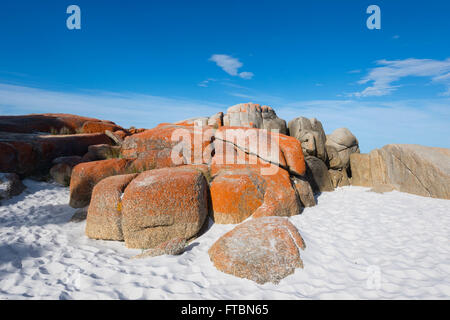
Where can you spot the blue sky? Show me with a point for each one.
(145, 62)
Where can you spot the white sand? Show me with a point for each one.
(359, 245)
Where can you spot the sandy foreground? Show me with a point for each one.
(359, 245)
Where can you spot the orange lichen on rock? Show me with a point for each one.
(162, 204)
(272, 147)
(169, 145)
(99, 126)
(262, 250)
(104, 219)
(236, 194)
(86, 175)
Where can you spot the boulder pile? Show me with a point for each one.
(157, 188)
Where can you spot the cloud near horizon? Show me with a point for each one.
(382, 78)
(230, 65)
(374, 123)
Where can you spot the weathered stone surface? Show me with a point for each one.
(312, 136)
(86, 175)
(253, 115)
(279, 149)
(55, 123)
(61, 173)
(360, 168)
(33, 154)
(339, 178)
(280, 198)
(262, 250)
(317, 175)
(304, 192)
(172, 247)
(216, 121)
(162, 204)
(104, 219)
(236, 194)
(415, 169)
(340, 145)
(103, 152)
(10, 185)
(99, 126)
(169, 145)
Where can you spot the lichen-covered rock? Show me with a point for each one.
(262, 250)
(86, 175)
(340, 144)
(169, 145)
(236, 194)
(99, 126)
(104, 219)
(279, 149)
(33, 154)
(162, 204)
(55, 123)
(253, 115)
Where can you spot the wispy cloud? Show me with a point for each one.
(205, 83)
(230, 65)
(382, 78)
(422, 121)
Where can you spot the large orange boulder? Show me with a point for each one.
(169, 145)
(279, 149)
(162, 204)
(86, 175)
(104, 219)
(267, 195)
(236, 194)
(262, 250)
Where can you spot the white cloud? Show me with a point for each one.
(375, 124)
(230, 65)
(383, 77)
(246, 75)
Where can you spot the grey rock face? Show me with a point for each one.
(310, 133)
(415, 169)
(317, 175)
(253, 115)
(340, 145)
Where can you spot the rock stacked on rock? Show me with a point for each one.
(310, 133)
(253, 115)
